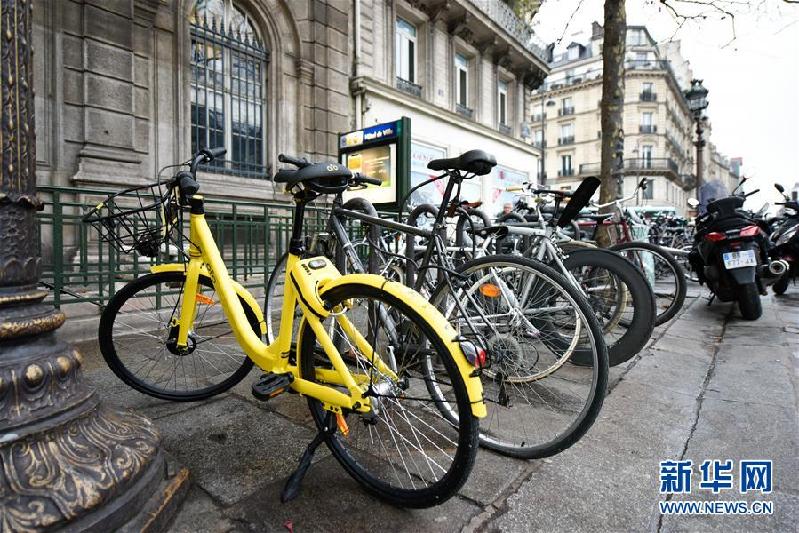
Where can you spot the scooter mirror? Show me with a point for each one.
(779, 187)
(693, 203)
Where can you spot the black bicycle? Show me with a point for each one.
(526, 318)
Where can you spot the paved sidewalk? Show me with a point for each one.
(710, 386)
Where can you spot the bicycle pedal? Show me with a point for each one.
(270, 385)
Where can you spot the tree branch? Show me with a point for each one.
(706, 9)
(568, 23)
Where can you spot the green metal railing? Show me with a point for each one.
(79, 267)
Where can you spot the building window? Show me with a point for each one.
(635, 37)
(566, 134)
(646, 156)
(566, 107)
(646, 123)
(502, 99)
(566, 165)
(228, 69)
(573, 52)
(647, 92)
(461, 80)
(406, 50)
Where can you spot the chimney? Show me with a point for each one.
(597, 31)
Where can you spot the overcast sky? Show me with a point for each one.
(753, 81)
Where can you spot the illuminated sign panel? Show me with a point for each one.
(381, 151)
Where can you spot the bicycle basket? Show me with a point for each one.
(139, 219)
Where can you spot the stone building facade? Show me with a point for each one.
(461, 70)
(126, 87)
(658, 136)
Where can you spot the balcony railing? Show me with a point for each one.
(562, 141)
(655, 164)
(565, 111)
(649, 97)
(504, 17)
(648, 128)
(565, 172)
(467, 112)
(675, 145)
(504, 129)
(409, 87)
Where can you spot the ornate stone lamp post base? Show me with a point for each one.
(66, 461)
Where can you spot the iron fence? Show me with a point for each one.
(78, 267)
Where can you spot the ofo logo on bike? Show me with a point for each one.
(716, 476)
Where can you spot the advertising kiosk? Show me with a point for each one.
(381, 151)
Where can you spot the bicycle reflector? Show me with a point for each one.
(489, 290)
(203, 299)
(475, 355)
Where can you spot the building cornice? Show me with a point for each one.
(367, 85)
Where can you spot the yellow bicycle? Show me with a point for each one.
(187, 331)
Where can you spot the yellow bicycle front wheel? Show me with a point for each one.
(404, 451)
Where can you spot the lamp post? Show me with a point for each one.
(697, 103)
(68, 461)
(549, 103)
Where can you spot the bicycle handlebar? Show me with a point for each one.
(359, 179)
(299, 162)
(525, 185)
(205, 155)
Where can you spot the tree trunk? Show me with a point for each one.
(615, 33)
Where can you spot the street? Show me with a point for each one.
(709, 386)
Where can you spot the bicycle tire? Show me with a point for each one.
(108, 348)
(348, 456)
(681, 286)
(511, 444)
(640, 326)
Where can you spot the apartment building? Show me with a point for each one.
(657, 122)
(461, 70)
(124, 88)
(720, 170)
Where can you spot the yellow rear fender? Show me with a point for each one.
(243, 293)
(436, 320)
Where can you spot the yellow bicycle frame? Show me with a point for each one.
(306, 282)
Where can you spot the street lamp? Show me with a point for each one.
(549, 103)
(68, 461)
(697, 103)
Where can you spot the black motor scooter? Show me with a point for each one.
(785, 241)
(730, 254)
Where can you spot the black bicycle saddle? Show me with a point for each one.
(474, 161)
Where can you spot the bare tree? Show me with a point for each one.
(612, 106)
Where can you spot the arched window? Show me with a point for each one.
(228, 69)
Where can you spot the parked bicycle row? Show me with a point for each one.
(414, 339)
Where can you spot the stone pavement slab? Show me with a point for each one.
(232, 447)
(332, 501)
(709, 385)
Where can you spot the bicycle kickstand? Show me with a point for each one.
(292, 487)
